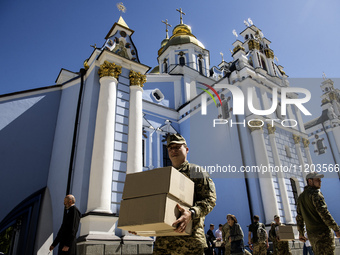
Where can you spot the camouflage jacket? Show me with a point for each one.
(312, 210)
(272, 231)
(226, 233)
(204, 198)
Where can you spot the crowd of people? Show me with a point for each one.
(313, 218)
(314, 223)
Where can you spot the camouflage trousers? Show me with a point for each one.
(173, 245)
(323, 243)
(281, 248)
(259, 249)
(227, 248)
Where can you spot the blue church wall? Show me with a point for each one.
(60, 158)
(218, 146)
(27, 130)
(167, 89)
(81, 172)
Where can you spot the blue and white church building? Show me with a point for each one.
(86, 132)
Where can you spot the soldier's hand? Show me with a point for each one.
(51, 248)
(65, 248)
(132, 232)
(337, 234)
(302, 238)
(183, 220)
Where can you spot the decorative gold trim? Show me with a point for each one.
(271, 129)
(109, 69)
(325, 100)
(296, 138)
(255, 125)
(305, 142)
(332, 96)
(237, 48)
(86, 65)
(253, 44)
(269, 53)
(137, 79)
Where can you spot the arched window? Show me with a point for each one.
(200, 66)
(246, 37)
(166, 159)
(294, 190)
(264, 66)
(320, 146)
(165, 67)
(181, 60)
(250, 61)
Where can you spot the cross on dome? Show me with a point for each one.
(166, 25)
(181, 12)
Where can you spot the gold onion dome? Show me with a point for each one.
(181, 34)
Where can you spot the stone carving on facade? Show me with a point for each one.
(137, 79)
(109, 69)
(305, 142)
(255, 125)
(296, 138)
(271, 129)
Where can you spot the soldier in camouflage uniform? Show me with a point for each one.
(259, 247)
(312, 211)
(279, 247)
(225, 235)
(204, 202)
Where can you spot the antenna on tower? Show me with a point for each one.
(234, 33)
(222, 55)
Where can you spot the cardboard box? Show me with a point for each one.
(161, 180)
(285, 233)
(151, 215)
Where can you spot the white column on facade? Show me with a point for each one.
(134, 151)
(151, 132)
(265, 179)
(305, 142)
(280, 177)
(99, 198)
(99, 219)
(159, 133)
(297, 140)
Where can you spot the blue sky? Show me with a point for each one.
(39, 37)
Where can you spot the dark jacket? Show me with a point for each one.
(67, 233)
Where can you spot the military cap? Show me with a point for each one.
(175, 138)
(276, 216)
(313, 175)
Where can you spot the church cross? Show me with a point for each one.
(166, 25)
(182, 13)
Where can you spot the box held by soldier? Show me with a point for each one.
(285, 233)
(158, 181)
(149, 201)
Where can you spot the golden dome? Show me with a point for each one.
(181, 29)
(164, 42)
(181, 34)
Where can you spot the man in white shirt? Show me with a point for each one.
(219, 250)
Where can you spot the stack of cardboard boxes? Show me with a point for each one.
(149, 202)
(285, 233)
